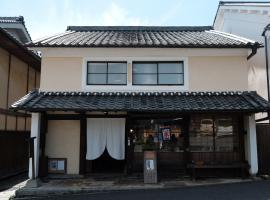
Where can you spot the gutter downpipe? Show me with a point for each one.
(267, 71)
(267, 66)
(253, 52)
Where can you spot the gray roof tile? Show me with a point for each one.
(144, 36)
(143, 101)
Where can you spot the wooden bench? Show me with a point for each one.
(194, 167)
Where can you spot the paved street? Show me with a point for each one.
(247, 191)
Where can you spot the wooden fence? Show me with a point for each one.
(263, 144)
(13, 152)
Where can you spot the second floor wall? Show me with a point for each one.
(17, 78)
(65, 69)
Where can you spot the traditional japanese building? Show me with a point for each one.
(108, 94)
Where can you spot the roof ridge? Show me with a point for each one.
(139, 28)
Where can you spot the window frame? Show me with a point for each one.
(107, 73)
(157, 74)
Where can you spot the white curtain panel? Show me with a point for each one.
(105, 132)
(95, 138)
(116, 137)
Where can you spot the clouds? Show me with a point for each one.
(45, 18)
(117, 15)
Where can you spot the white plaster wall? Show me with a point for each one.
(205, 69)
(249, 22)
(63, 141)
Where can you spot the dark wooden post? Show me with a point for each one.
(186, 123)
(43, 165)
(128, 146)
(241, 133)
(82, 143)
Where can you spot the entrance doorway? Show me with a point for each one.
(106, 164)
(105, 145)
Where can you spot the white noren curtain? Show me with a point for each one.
(105, 132)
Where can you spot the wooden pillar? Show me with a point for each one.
(214, 138)
(7, 97)
(26, 91)
(82, 144)
(43, 169)
(241, 138)
(129, 146)
(186, 123)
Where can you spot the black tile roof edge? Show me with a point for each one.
(17, 20)
(243, 2)
(261, 104)
(145, 93)
(20, 45)
(139, 28)
(25, 99)
(231, 46)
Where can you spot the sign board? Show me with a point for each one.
(150, 167)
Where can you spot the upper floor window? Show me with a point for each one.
(106, 73)
(158, 73)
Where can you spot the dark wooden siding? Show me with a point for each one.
(13, 152)
(263, 142)
(18, 78)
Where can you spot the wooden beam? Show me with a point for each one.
(12, 113)
(78, 116)
(82, 144)
(63, 116)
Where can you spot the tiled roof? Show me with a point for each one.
(19, 20)
(14, 20)
(144, 36)
(143, 101)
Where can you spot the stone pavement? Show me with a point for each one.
(9, 193)
(52, 187)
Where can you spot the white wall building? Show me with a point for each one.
(247, 19)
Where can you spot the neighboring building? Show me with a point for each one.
(248, 19)
(16, 27)
(19, 74)
(109, 93)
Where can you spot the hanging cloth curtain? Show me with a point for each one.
(105, 132)
(116, 137)
(96, 138)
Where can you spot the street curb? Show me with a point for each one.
(41, 192)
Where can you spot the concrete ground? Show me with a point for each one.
(254, 190)
(54, 187)
(8, 186)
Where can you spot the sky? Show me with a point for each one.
(48, 17)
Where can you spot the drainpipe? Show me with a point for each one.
(267, 63)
